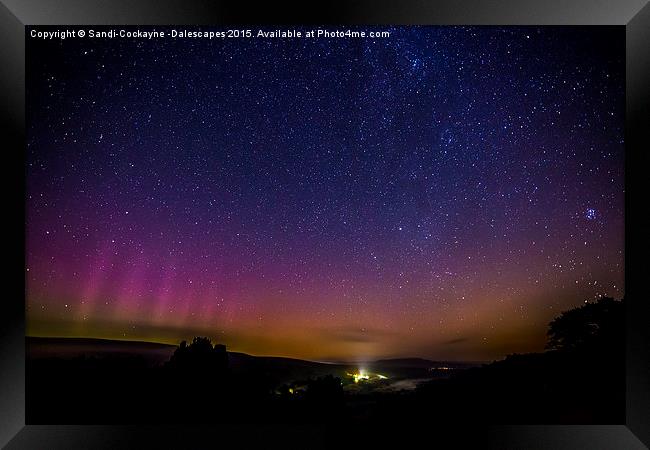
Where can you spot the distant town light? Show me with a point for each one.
(362, 375)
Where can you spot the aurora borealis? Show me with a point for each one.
(443, 192)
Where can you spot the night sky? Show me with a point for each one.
(441, 193)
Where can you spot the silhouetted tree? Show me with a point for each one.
(200, 355)
(593, 325)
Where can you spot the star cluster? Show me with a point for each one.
(443, 192)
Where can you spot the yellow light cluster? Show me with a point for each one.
(362, 376)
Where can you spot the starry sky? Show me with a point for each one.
(443, 193)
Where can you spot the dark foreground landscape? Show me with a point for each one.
(579, 379)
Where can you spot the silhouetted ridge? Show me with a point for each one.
(579, 379)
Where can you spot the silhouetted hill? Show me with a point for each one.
(405, 362)
(579, 379)
(282, 368)
(422, 363)
(66, 348)
(69, 347)
(96, 343)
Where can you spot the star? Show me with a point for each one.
(590, 214)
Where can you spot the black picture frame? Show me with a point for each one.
(634, 15)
